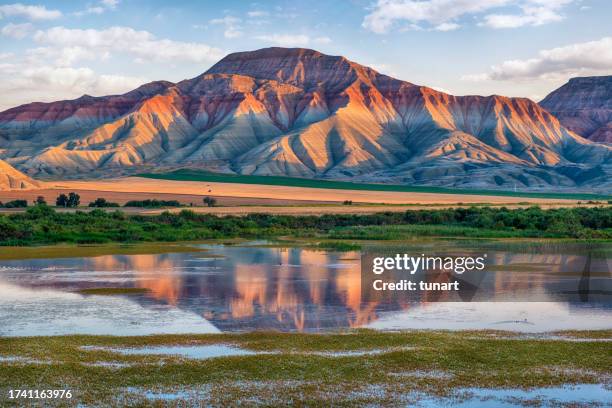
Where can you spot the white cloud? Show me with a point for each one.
(17, 31)
(95, 10)
(442, 15)
(125, 40)
(587, 58)
(110, 3)
(63, 56)
(293, 40)
(258, 13)
(232, 26)
(322, 40)
(232, 32)
(386, 69)
(29, 12)
(103, 6)
(441, 89)
(46, 83)
(286, 40)
(387, 12)
(532, 15)
(447, 27)
(227, 20)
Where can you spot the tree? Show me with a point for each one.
(62, 200)
(73, 200)
(210, 201)
(40, 200)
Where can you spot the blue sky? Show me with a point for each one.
(54, 50)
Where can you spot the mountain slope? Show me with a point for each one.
(12, 179)
(584, 105)
(298, 112)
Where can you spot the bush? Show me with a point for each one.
(40, 224)
(152, 203)
(15, 204)
(210, 201)
(40, 211)
(347, 202)
(102, 203)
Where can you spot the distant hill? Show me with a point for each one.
(584, 105)
(297, 112)
(12, 179)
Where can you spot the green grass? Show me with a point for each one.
(398, 232)
(298, 369)
(199, 175)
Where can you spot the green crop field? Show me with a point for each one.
(199, 175)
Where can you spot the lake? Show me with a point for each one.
(255, 286)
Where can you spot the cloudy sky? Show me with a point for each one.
(54, 50)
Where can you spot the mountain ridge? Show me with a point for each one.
(584, 105)
(299, 112)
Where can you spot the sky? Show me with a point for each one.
(53, 50)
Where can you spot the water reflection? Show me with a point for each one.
(296, 289)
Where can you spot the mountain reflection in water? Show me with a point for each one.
(244, 288)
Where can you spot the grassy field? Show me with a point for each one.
(204, 176)
(345, 369)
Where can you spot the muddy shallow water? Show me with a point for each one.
(254, 287)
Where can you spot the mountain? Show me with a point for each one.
(12, 179)
(298, 112)
(584, 105)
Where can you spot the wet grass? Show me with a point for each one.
(87, 251)
(292, 373)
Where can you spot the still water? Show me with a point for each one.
(257, 287)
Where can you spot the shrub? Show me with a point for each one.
(15, 204)
(40, 211)
(102, 203)
(152, 203)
